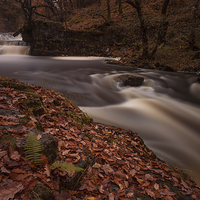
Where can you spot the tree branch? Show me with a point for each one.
(132, 3)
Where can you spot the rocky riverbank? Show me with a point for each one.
(115, 163)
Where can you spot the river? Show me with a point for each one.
(164, 111)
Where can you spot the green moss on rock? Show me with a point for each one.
(40, 191)
(15, 84)
(7, 140)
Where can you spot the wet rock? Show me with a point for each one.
(130, 80)
(74, 181)
(50, 147)
(40, 191)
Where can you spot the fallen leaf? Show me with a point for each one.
(184, 184)
(4, 170)
(107, 169)
(18, 170)
(111, 196)
(150, 193)
(133, 172)
(15, 155)
(121, 175)
(91, 198)
(7, 194)
(130, 194)
(100, 188)
(47, 170)
(2, 153)
(39, 136)
(166, 192)
(156, 186)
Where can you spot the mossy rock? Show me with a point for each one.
(32, 103)
(56, 102)
(39, 126)
(50, 147)
(13, 84)
(7, 140)
(42, 192)
(85, 120)
(38, 111)
(73, 183)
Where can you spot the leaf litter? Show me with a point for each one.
(121, 166)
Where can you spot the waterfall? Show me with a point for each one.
(12, 45)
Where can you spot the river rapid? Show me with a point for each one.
(164, 111)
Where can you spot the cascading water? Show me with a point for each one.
(165, 110)
(12, 45)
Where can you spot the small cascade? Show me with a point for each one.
(11, 49)
(9, 36)
(13, 45)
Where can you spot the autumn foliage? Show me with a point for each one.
(116, 162)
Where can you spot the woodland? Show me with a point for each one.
(49, 148)
(152, 34)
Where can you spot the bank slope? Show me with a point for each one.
(116, 164)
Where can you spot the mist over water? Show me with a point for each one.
(164, 111)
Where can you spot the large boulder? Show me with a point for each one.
(130, 80)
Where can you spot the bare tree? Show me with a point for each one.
(108, 10)
(162, 29)
(137, 5)
(30, 10)
(192, 37)
(119, 3)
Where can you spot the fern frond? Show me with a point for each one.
(33, 148)
(65, 166)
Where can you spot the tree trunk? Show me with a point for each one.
(164, 23)
(120, 6)
(162, 29)
(192, 38)
(108, 10)
(137, 5)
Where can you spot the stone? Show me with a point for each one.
(50, 147)
(130, 80)
(42, 192)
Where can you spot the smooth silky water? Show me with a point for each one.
(164, 111)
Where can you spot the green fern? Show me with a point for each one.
(33, 148)
(65, 166)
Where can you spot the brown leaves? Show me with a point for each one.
(117, 163)
(9, 193)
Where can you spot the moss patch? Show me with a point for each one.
(15, 84)
(7, 140)
(42, 192)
